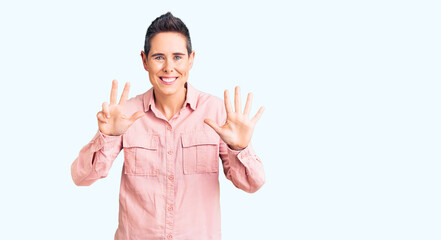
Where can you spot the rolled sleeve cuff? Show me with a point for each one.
(100, 139)
(245, 156)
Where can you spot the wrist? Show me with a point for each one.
(236, 148)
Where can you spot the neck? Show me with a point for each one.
(169, 105)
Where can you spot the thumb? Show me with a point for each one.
(213, 125)
(137, 116)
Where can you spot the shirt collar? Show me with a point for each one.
(191, 98)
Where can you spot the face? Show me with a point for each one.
(168, 63)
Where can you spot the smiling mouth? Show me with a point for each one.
(168, 80)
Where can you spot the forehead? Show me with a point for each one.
(168, 42)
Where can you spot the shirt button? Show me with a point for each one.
(170, 209)
(170, 152)
(169, 128)
(169, 236)
(171, 177)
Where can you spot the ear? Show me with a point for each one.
(144, 60)
(191, 59)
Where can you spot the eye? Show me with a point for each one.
(159, 58)
(178, 57)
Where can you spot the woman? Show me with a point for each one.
(172, 142)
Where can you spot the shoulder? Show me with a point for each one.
(136, 100)
(211, 106)
(203, 99)
(206, 98)
(135, 104)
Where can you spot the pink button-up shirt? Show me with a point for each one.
(170, 179)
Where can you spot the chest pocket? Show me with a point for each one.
(141, 154)
(200, 153)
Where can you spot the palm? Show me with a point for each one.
(111, 120)
(238, 128)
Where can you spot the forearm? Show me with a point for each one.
(245, 169)
(95, 159)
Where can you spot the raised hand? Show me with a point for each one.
(238, 129)
(111, 120)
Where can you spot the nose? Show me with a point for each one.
(168, 66)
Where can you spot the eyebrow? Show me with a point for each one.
(162, 54)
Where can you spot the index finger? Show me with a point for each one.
(125, 93)
(113, 92)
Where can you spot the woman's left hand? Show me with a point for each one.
(238, 128)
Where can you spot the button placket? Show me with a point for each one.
(170, 166)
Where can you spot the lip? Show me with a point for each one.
(168, 83)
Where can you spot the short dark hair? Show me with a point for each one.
(166, 23)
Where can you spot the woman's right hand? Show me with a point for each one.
(111, 120)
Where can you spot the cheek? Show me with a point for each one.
(155, 67)
(183, 69)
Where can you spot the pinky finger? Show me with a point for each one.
(100, 117)
(258, 115)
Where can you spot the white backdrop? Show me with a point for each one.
(350, 139)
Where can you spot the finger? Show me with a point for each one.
(258, 114)
(125, 93)
(227, 102)
(247, 109)
(237, 104)
(106, 110)
(114, 92)
(100, 117)
(137, 116)
(213, 125)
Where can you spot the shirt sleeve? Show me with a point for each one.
(243, 168)
(95, 159)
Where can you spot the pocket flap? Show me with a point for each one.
(148, 141)
(199, 138)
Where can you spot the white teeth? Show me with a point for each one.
(168, 79)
